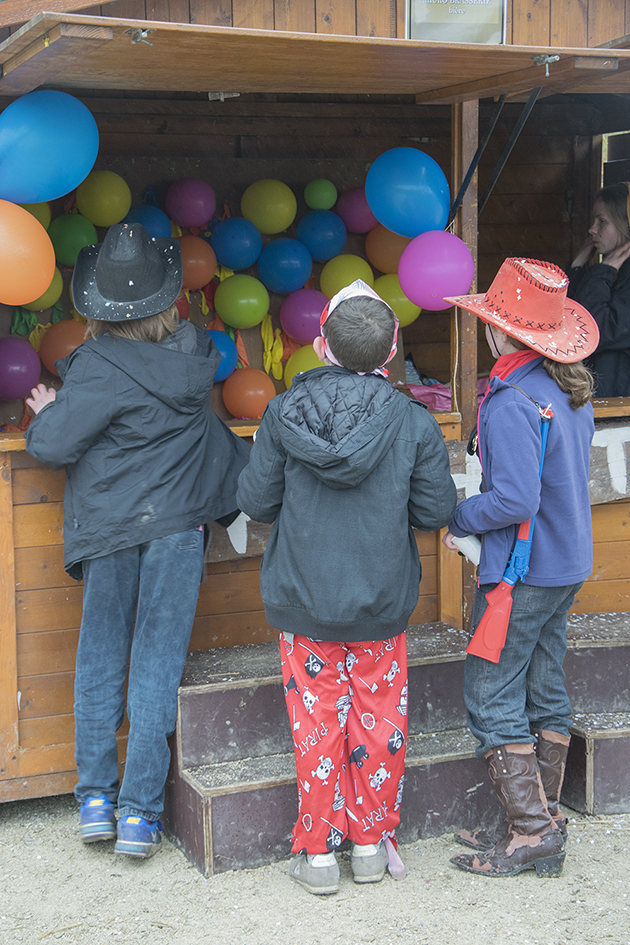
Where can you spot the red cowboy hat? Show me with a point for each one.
(528, 301)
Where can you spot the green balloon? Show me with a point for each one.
(320, 194)
(69, 234)
(242, 301)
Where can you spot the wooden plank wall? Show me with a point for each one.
(48, 617)
(529, 22)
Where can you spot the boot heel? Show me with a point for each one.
(550, 865)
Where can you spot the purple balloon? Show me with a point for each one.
(300, 314)
(20, 368)
(353, 209)
(190, 202)
(433, 265)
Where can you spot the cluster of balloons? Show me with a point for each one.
(48, 146)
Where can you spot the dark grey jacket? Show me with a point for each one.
(344, 466)
(145, 456)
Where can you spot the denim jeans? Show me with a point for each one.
(525, 689)
(158, 584)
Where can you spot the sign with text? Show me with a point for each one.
(457, 21)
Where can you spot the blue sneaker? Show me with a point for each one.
(97, 820)
(138, 837)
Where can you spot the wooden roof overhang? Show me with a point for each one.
(74, 51)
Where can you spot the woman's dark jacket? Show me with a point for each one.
(605, 293)
(145, 456)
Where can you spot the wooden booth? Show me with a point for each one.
(234, 93)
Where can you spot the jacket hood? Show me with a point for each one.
(339, 424)
(179, 371)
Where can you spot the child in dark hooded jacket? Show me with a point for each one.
(345, 467)
(147, 464)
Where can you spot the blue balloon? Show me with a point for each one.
(228, 352)
(48, 145)
(407, 192)
(284, 265)
(323, 233)
(155, 221)
(236, 243)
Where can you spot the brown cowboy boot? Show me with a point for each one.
(551, 751)
(532, 840)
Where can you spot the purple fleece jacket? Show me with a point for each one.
(509, 448)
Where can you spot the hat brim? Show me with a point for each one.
(89, 302)
(575, 340)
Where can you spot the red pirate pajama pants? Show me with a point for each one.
(347, 705)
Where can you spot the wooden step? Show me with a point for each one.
(240, 814)
(231, 703)
(597, 779)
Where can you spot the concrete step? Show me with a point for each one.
(597, 779)
(240, 814)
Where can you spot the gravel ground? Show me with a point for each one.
(53, 888)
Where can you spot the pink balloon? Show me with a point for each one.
(433, 265)
(300, 314)
(190, 202)
(353, 209)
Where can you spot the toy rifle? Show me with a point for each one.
(489, 638)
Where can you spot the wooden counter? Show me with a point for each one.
(40, 606)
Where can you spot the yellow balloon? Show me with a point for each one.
(388, 287)
(304, 359)
(103, 198)
(49, 297)
(343, 270)
(41, 212)
(270, 205)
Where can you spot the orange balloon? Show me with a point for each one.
(198, 261)
(384, 248)
(27, 257)
(247, 392)
(58, 341)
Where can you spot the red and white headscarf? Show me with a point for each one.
(356, 289)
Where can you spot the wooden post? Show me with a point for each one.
(9, 757)
(464, 140)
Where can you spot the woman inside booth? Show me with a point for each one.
(603, 288)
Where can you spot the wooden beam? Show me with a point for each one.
(48, 55)
(9, 739)
(550, 77)
(464, 141)
(13, 12)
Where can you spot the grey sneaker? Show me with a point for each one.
(369, 862)
(317, 872)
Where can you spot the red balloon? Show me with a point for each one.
(60, 340)
(247, 392)
(198, 261)
(182, 306)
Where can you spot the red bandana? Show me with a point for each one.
(507, 363)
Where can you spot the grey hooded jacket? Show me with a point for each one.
(344, 466)
(145, 456)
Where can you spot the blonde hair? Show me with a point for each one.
(573, 379)
(153, 328)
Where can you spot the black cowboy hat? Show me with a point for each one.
(128, 275)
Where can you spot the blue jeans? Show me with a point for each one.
(158, 584)
(525, 689)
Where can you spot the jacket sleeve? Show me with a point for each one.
(606, 295)
(261, 484)
(511, 458)
(65, 429)
(432, 495)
